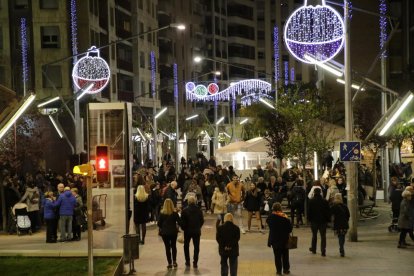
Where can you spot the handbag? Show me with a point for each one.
(292, 242)
(180, 238)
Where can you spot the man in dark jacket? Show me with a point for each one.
(66, 203)
(192, 220)
(228, 236)
(319, 216)
(279, 229)
(171, 193)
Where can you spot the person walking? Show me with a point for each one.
(141, 211)
(66, 203)
(252, 204)
(298, 203)
(227, 237)
(168, 223)
(340, 214)
(279, 229)
(219, 202)
(49, 215)
(404, 219)
(191, 222)
(236, 193)
(319, 216)
(77, 215)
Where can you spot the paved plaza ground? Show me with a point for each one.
(375, 253)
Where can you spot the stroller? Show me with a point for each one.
(21, 218)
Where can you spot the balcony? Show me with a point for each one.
(122, 33)
(125, 65)
(125, 96)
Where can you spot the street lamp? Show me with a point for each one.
(48, 101)
(244, 121)
(407, 99)
(219, 121)
(267, 103)
(24, 104)
(191, 117)
(162, 111)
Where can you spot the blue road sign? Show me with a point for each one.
(350, 151)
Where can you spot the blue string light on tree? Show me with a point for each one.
(91, 69)
(317, 31)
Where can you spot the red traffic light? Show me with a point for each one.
(102, 163)
(102, 158)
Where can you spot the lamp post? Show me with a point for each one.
(350, 166)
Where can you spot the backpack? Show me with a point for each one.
(34, 199)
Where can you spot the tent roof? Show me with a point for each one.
(257, 144)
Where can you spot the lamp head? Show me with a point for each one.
(179, 26)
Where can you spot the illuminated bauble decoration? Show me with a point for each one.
(201, 90)
(91, 69)
(314, 31)
(213, 88)
(190, 86)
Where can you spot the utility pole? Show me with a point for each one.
(350, 166)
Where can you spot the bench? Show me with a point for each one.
(366, 210)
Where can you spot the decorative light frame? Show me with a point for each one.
(339, 39)
(100, 82)
(204, 93)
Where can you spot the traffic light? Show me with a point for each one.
(102, 163)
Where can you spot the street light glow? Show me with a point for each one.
(409, 122)
(17, 115)
(219, 121)
(328, 68)
(354, 86)
(396, 114)
(266, 103)
(84, 91)
(191, 117)
(160, 113)
(56, 126)
(140, 133)
(244, 121)
(217, 73)
(197, 59)
(179, 26)
(48, 101)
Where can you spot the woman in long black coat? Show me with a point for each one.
(141, 211)
(279, 229)
(168, 223)
(340, 215)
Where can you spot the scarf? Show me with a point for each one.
(280, 214)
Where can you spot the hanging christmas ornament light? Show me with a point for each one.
(91, 69)
(317, 31)
(213, 88)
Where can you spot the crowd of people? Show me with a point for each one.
(205, 185)
(174, 199)
(51, 200)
